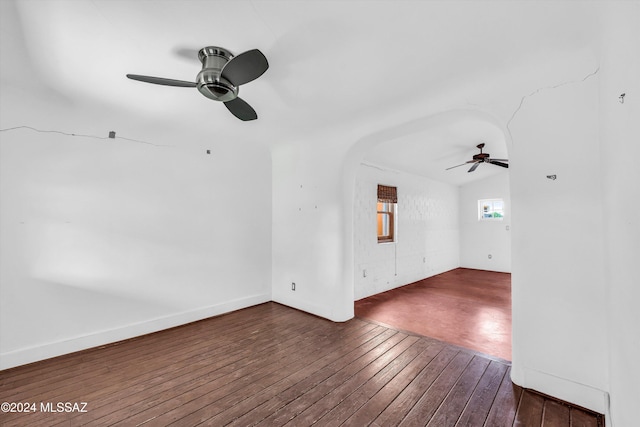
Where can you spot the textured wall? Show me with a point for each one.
(427, 236)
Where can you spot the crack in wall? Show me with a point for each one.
(371, 165)
(545, 88)
(83, 135)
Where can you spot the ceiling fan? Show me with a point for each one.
(482, 158)
(221, 75)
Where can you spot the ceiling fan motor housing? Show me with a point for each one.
(209, 81)
(482, 157)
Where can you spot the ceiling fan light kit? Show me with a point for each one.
(221, 75)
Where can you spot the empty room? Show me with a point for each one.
(446, 237)
(168, 260)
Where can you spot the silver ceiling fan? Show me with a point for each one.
(221, 75)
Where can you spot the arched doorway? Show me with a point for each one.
(413, 157)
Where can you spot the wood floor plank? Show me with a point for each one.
(529, 412)
(155, 369)
(372, 409)
(505, 404)
(271, 407)
(307, 366)
(11, 379)
(273, 365)
(450, 409)
(205, 368)
(303, 357)
(345, 390)
(579, 418)
(111, 362)
(171, 366)
(36, 386)
(356, 400)
(555, 414)
(189, 396)
(85, 379)
(407, 399)
(477, 409)
(303, 401)
(434, 395)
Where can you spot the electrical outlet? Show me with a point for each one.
(293, 286)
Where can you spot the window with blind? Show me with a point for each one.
(387, 201)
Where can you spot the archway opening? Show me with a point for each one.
(441, 264)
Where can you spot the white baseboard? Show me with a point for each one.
(311, 308)
(48, 350)
(561, 388)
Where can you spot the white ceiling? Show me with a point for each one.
(360, 66)
(449, 141)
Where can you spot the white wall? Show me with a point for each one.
(308, 228)
(558, 287)
(620, 151)
(105, 239)
(427, 237)
(481, 239)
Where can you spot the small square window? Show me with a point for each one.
(490, 210)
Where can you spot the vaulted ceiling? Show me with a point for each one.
(363, 67)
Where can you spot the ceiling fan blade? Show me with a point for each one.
(470, 161)
(161, 81)
(474, 167)
(241, 109)
(497, 163)
(245, 67)
(500, 160)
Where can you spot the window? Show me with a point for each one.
(490, 210)
(387, 201)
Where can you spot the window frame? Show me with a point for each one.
(386, 213)
(390, 213)
(481, 211)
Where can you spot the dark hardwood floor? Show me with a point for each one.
(470, 308)
(271, 365)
